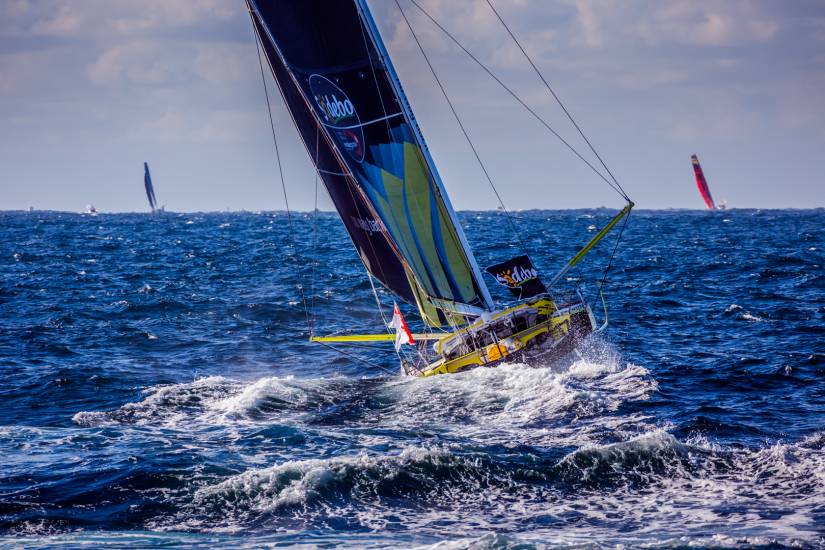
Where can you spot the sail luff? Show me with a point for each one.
(378, 43)
(702, 183)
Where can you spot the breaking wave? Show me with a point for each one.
(512, 403)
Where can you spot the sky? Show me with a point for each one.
(90, 89)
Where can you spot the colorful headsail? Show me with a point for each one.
(343, 95)
(702, 183)
(150, 190)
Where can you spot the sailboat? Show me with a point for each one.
(702, 184)
(345, 98)
(150, 189)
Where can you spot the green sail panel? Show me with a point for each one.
(411, 209)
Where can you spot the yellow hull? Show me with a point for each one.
(536, 328)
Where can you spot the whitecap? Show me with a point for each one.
(298, 482)
(750, 317)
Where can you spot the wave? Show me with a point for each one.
(700, 492)
(508, 403)
(517, 403)
(303, 481)
(167, 405)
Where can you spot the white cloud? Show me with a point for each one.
(155, 14)
(590, 23)
(64, 23)
(139, 62)
(158, 63)
(223, 63)
(700, 23)
(225, 126)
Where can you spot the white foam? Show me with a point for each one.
(166, 405)
(516, 403)
(299, 481)
(768, 494)
(252, 395)
(747, 316)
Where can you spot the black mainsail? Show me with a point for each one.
(347, 103)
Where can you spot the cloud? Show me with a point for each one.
(590, 23)
(64, 23)
(138, 62)
(156, 63)
(705, 24)
(156, 14)
(225, 126)
(223, 63)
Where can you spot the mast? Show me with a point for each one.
(378, 43)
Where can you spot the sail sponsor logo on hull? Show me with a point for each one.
(338, 114)
(519, 275)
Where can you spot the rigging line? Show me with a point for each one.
(386, 119)
(314, 233)
(378, 302)
(372, 70)
(258, 46)
(350, 178)
(461, 125)
(362, 25)
(381, 312)
(613, 254)
(517, 98)
(357, 358)
(427, 168)
(558, 100)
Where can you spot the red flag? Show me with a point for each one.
(402, 332)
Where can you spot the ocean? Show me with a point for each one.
(159, 389)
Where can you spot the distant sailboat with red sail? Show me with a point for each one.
(702, 184)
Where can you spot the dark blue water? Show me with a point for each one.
(158, 389)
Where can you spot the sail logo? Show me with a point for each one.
(338, 115)
(519, 275)
(516, 276)
(334, 109)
